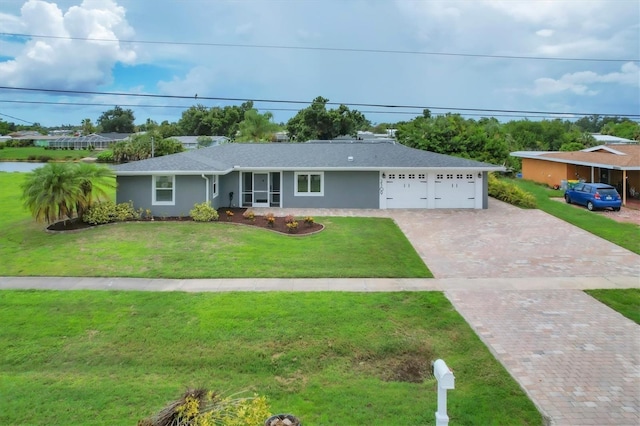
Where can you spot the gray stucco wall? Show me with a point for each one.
(358, 190)
(227, 183)
(189, 190)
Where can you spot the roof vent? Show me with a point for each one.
(350, 158)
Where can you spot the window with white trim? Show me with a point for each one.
(214, 186)
(164, 190)
(309, 184)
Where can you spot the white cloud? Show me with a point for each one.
(64, 63)
(579, 82)
(545, 32)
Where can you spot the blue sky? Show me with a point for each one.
(576, 29)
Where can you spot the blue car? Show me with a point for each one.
(594, 196)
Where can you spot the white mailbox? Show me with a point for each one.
(444, 376)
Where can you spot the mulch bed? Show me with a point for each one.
(279, 224)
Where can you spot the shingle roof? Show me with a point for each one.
(300, 156)
(616, 156)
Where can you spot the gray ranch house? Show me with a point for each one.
(318, 174)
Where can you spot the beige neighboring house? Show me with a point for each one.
(617, 165)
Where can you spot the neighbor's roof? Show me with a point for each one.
(299, 156)
(621, 157)
(610, 139)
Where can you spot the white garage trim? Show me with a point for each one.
(442, 189)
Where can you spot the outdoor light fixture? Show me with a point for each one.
(479, 175)
(383, 175)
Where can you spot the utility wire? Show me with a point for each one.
(185, 107)
(280, 101)
(16, 118)
(316, 48)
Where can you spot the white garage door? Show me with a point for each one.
(406, 190)
(455, 190)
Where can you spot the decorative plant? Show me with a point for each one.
(206, 408)
(249, 215)
(289, 218)
(203, 212)
(309, 221)
(292, 226)
(229, 214)
(270, 218)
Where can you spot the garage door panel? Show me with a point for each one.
(406, 190)
(455, 190)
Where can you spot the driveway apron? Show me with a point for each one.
(577, 359)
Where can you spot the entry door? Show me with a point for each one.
(261, 190)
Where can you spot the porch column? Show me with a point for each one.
(624, 188)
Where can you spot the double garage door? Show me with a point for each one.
(411, 190)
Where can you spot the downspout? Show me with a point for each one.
(206, 187)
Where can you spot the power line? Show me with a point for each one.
(16, 118)
(185, 107)
(317, 48)
(280, 101)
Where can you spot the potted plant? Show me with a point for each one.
(283, 420)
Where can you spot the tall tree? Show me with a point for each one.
(117, 120)
(87, 127)
(257, 127)
(316, 122)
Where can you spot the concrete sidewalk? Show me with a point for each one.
(318, 284)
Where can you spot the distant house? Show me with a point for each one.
(617, 165)
(191, 142)
(336, 174)
(95, 141)
(610, 140)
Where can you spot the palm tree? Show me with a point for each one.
(94, 183)
(50, 192)
(61, 190)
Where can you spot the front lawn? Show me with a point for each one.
(105, 358)
(35, 153)
(626, 235)
(348, 247)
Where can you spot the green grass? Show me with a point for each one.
(624, 301)
(348, 247)
(82, 357)
(626, 235)
(23, 154)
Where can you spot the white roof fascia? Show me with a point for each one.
(360, 169)
(170, 172)
(605, 148)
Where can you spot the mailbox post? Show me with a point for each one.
(445, 379)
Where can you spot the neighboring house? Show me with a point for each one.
(345, 174)
(609, 139)
(96, 141)
(617, 165)
(191, 142)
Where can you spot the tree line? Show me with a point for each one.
(485, 139)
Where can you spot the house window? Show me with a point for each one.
(214, 186)
(163, 190)
(309, 184)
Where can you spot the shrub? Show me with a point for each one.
(270, 218)
(31, 158)
(292, 226)
(510, 193)
(309, 220)
(289, 218)
(2, 145)
(105, 157)
(44, 158)
(108, 211)
(203, 212)
(229, 214)
(249, 215)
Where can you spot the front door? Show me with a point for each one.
(261, 190)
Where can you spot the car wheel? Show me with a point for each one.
(616, 209)
(590, 206)
(567, 199)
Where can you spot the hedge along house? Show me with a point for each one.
(617, 165)
(345, 174)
